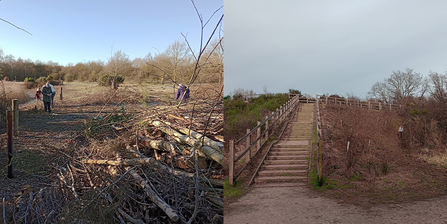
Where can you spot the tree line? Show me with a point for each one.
(174, 64)
(425, 101)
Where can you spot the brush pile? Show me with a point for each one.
(160, 165)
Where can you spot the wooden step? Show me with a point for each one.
(281, 179)
(284, 162)
(295, 157)
(284, 167)
(282, 173)
(289, 153)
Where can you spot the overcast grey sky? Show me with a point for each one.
(336, 47)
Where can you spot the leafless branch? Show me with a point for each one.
(15, 26)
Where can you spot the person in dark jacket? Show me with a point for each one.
(47, 92)
(180, 91)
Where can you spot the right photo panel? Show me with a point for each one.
(335, 112)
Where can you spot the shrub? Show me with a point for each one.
(30, 83)
(106, 80)
(41, 80)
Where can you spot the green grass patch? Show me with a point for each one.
(355, 177)
(314, 182)
(233, 191)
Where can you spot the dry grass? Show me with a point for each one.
(438, 159)
(17, 90)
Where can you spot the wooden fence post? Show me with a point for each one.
(9, 134)
(380, 106)
(320, 161)
(267, 128)
(369, 105)
(231, 163)
(247, 143)
(258, 135)
(15, 109)
(61, 92)
(390, 106)
(280, 114)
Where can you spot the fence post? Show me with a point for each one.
(15, 108)
(326, 100)
(61, 92)
(347, 102)
(258, 135)
(247, 143)
(320, 161)
(390, 106)
(267, 128)
(231, 163)
(380, 106)
(9, 134)
(280, 114)
(369, 105)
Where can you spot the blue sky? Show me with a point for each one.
(335, 47)
(77, 31)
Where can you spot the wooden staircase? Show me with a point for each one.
(288, 160)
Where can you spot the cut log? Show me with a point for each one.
(158, 144)
(207, 141)
(154, 197)
(215, 155)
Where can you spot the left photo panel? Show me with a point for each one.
(111, 113)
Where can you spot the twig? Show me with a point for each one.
(72, 185)
(4, 211)
(15, 26)
(130, 218)
(154, 197)
(104, 189)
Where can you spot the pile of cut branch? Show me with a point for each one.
(163, 166)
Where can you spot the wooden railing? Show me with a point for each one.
(370, 105)
(319, 143)
(254, 139)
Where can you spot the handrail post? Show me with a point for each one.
(258, 135)
(247, 143)
(267, 128)
(231, 163)
(280, 114)
(320, 161)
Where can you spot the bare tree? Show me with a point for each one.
(118, 66)
(399, 86)
(438, 87)
(177, 54)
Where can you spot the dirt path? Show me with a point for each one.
(302, 205)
